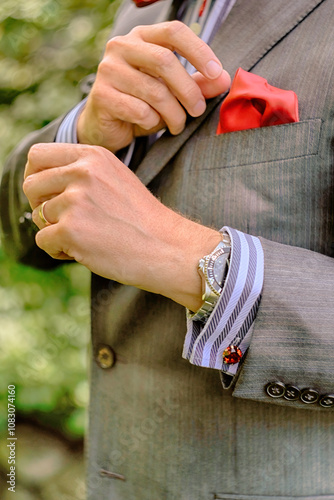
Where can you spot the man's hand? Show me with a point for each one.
(102, 216)
(141, 86)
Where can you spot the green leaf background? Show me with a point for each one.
(46, 48)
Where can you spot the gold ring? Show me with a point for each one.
(41, 214)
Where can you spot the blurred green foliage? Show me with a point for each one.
(46, 48)
(44, 333)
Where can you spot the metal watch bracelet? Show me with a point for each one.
(212, 288)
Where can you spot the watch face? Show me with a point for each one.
(219, 269)
(216, 269)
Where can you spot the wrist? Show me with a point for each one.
(83, 137)
(213, 269)
(180, 280)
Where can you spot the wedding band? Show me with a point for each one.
(41, 214)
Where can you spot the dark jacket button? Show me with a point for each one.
(327, 401)
(309, 396)
(275, 389)
(292, 393)
(105, 356)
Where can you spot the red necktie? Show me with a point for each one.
(253, 103)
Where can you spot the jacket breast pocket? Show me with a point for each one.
(259, 181)
(258, 145)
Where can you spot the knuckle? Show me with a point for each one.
(27, 185)
(96, 155)
(137, 31)
(191, 92)
(71, 196)
(34, 152)
(158, 92)
(87, 154)
(104, 68)
(83, 173)
(163, 57)
(142, 112)
(114, 43)
(193, 102)
(172, 28)
(85, 150)
(202, 49)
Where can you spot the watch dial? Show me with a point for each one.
(219, 269)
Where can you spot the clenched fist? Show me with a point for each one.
(98, 213)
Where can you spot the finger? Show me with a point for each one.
(212, 88)
(46, 184)
(180, 38)
(43, 215)
(49, 155)
(164, 108)
(160, 63)
(47, 239)
(126, 108)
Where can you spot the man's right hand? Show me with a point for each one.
(141, 87)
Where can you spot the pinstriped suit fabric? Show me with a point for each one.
(168, 426)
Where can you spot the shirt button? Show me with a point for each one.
(309, 396)
(327, 401)
(105, 356)
(275, 389)
(292, 393)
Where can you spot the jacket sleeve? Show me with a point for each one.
(290, 359)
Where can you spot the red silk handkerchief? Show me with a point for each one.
(253, 103)
(143, 3)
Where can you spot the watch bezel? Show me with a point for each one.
(209, 269)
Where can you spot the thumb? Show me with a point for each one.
(212, 88)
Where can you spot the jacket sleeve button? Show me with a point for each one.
(105, 356)
(275, 389)
(292, 393)
(309, 396)
(327, 401)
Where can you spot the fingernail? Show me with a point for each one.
(199, 108)
(213, 69)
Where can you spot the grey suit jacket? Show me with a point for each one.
(161, 428)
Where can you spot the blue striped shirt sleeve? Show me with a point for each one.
(230, 323)
(67, 131)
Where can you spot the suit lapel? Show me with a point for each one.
(243, 43)
(238, 43)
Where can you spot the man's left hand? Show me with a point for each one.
(102, 216)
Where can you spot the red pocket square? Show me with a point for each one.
(143, 3)
(253, 103)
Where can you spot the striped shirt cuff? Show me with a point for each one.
(230, 323)
(67, 131)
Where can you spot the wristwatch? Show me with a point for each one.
(213, 269)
